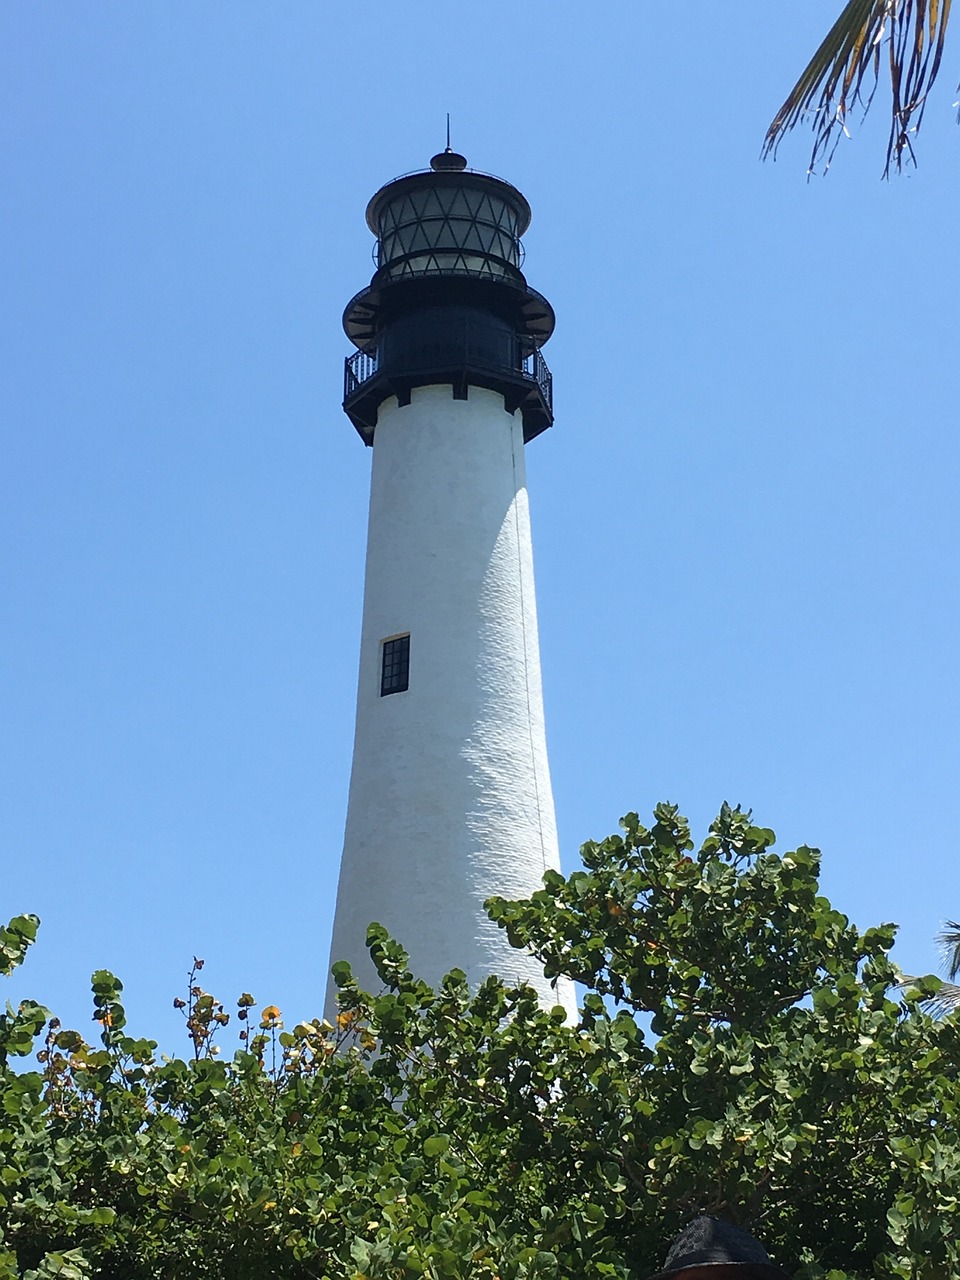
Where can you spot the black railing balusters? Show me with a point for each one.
(544, 378)
(358, 368)
(363, 365)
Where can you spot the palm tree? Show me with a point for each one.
(948, 997)
(905, 36)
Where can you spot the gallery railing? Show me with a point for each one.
(364, 365)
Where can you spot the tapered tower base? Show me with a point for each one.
(450, 797)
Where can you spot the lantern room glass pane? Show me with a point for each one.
(447, 236)
(446, 219)
(459, 205)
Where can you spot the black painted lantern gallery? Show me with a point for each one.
(448, 302)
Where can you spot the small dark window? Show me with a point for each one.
(395, 671)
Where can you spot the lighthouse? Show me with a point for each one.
(450, 799)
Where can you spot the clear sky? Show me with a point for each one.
(745, 518)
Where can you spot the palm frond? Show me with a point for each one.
(845, 72)
(948, 940)
(946, 1001)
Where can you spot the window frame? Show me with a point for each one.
(395, 660)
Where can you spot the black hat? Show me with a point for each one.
(708, 1242)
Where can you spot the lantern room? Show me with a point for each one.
(448, 302)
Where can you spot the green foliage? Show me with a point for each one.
(743, 1050)
(15, 938)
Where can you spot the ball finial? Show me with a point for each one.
(447, 161)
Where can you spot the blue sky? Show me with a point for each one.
(745, 518)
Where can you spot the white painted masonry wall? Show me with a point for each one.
(450, 797)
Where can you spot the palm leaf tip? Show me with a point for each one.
(945, 1002)
(949, 942)
(845, 71)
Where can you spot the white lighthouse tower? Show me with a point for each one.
(450, 798)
